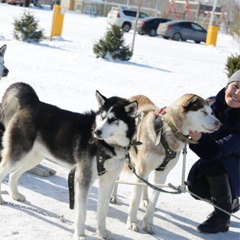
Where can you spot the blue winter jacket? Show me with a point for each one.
(222, 145)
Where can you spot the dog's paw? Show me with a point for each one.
(1, 200)
(149, 228)
(133, 226)
(40, 172)
(19, 197)
(104, 234)
(113, 199)
(52, 172)
(145, 203)
(83, 237)
(47, 173)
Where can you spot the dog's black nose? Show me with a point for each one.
(98, 133)
(5, 72)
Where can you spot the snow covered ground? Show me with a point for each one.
(65, 72)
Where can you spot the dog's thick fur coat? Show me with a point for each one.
(35, 130)
(189, 112)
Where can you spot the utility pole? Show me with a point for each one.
(212, 33)
(136, 22)
(212, 14)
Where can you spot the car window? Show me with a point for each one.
(142, 15)
(130, 13)
(197, 27)
(185, 25)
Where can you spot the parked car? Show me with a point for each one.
(15, 2)
(149, 25)
(182, 30)
(123, 17)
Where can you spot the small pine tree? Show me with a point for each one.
(111, 46)
(233, 64)
(26, 28)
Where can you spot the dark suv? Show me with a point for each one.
(149, 25)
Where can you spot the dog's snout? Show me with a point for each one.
(98, 133)
(217, 123)
(5, 72)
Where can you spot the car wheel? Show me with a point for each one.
(165, 37)
(197, 41)
(177, 36)
(152, 33)
(126, 27)
(141, 33)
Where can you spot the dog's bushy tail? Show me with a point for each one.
(16, 96)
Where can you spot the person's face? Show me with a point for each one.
(232, 95)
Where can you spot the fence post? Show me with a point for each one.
(57, 21)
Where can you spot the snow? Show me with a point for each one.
(66, 73)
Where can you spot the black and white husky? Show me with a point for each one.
(3, 70)
(95, 143)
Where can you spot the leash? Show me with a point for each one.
(183, 187)
(211, 203)
(178, 190)
(32, 209)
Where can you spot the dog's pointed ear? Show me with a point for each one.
(3, 49)
(192, 103)
(101, 99)
(210, 100)
(132, 109)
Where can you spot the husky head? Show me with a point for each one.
(115, 120)
(191, 112)
(3, 70)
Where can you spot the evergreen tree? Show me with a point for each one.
(26, 28)
(233, 64)
(111, 46)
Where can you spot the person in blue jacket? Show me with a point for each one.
(216, 175)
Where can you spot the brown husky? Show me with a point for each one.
(163, 138)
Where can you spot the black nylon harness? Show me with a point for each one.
(159, 119)
(158, 126)
(101, 156)
(71, 177)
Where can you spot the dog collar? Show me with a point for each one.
(179, 135)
